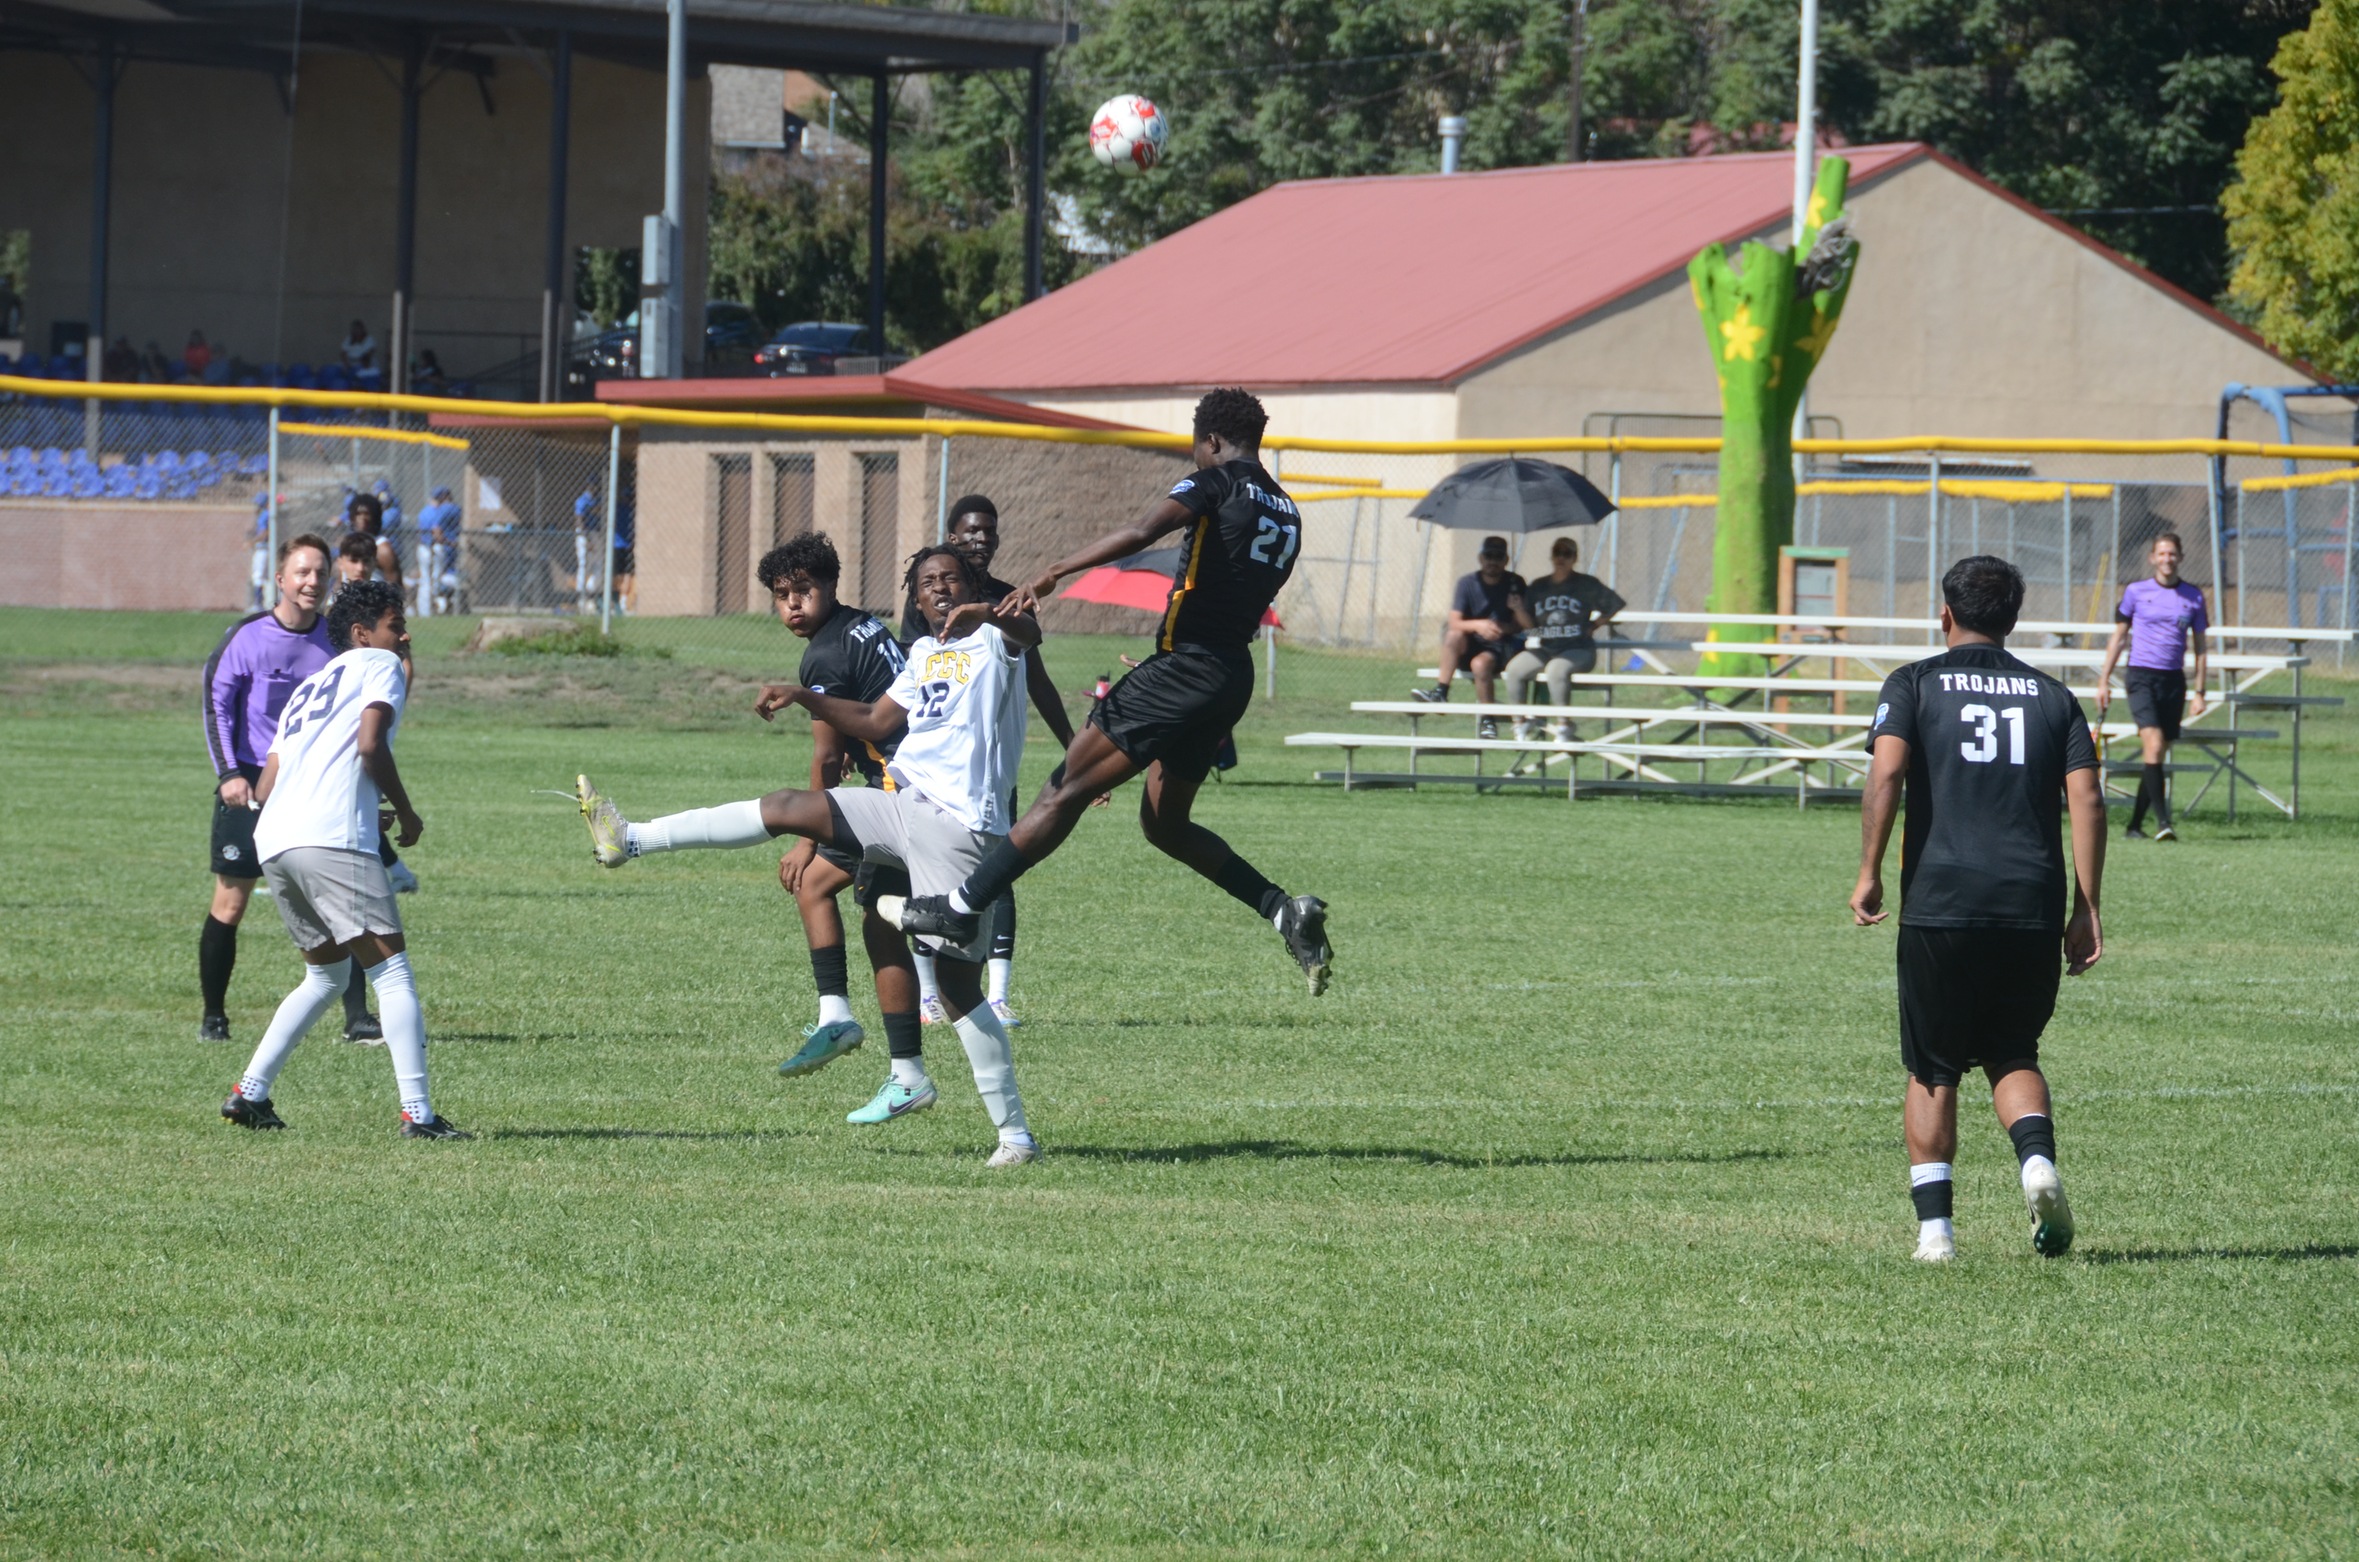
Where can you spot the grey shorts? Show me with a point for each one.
(936, 850)
(327, 896)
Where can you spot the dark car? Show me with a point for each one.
(812, 347)
(732, 335)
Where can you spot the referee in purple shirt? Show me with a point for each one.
(2159, 620)
(247, 681)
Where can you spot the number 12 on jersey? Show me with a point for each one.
(1983, 747)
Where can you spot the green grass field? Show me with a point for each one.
(1573, 1220)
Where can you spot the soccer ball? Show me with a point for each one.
(1127, 134)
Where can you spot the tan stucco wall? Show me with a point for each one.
(176, 557)
(1968, 316)
(199, 182)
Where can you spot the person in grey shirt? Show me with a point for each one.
(1560, 614)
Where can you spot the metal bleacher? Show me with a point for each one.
(1740, 731)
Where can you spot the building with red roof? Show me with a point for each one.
(1548, 300)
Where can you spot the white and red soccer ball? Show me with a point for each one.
(1127, 134)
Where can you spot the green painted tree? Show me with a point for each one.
(1767, 320)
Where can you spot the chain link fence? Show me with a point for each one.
(505, 516)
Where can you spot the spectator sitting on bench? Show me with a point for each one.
(1481, 634)
(1561, 613)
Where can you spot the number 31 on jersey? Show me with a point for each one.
(1983, 747)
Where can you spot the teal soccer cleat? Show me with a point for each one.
(893, 1102)
(822, 1045)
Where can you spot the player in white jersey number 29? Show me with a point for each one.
(958, 710)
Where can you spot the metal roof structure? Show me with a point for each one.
(791, 34)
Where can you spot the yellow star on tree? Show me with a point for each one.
(1743, 336)
(1822, 331)
(1814, 216)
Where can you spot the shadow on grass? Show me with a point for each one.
(1286, 1150)
(2180, 1255)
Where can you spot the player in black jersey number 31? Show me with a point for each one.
(1990, 752)
(1240, 538)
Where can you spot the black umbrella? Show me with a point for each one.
(1513, 495)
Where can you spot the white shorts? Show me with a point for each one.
(905, 830)
(330, 896)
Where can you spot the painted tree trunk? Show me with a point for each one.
(1768, 315)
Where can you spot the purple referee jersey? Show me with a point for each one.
(2161, 618)
(247, 681)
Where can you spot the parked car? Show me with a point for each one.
(812, 347)
(732, 333)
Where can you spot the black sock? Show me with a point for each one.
(2156, 781)
(1934, 1200)
(1241, 879)
(356, 994)
(217, 957)
(1003, 939)
(829, 973)
(902, 1033)
(2145, 789)
(2033, 1135)
(1001, 866)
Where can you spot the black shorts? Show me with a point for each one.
(233, 835)
(848, 861)
(1974, 997)
(1176, 707)
(2158, 698)
(1500, 651)
(626, 561)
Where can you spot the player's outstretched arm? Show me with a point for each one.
(1021, 628)
(2084, 937)
(1163, 518)
(873, 721)
(375, 748)
(1879, 805)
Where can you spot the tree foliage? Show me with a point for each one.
(2294, 211)
(2090, 106)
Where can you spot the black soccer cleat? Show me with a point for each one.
(436, 1127)
(929, 916)
(251, 1114)
(2133, 833)
(1431, 694)
(213, 1027)
(1303, 924)
(366, 1029)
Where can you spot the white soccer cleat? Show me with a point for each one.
(606, 822)
(2051, 1217)
(1936, 1247)
(1005, 1015)
(1020, 1153)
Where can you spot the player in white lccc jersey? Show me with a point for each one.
(329, 772)
(958, 709)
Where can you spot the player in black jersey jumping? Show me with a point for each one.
(1990, 752)
(1168, 716)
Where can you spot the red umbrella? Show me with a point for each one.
(1142, 581)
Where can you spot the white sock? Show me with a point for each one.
(909, 1073)
(834, 1008)
(1924, 1172)
(1000, 971)
(958, 902)
(405, 1034)
(724, 828)
(321, 986)
(994, 1062)
(1938, 1226)
(927, 992)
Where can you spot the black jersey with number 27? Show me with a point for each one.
(1238, 549)
(1990, 743)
